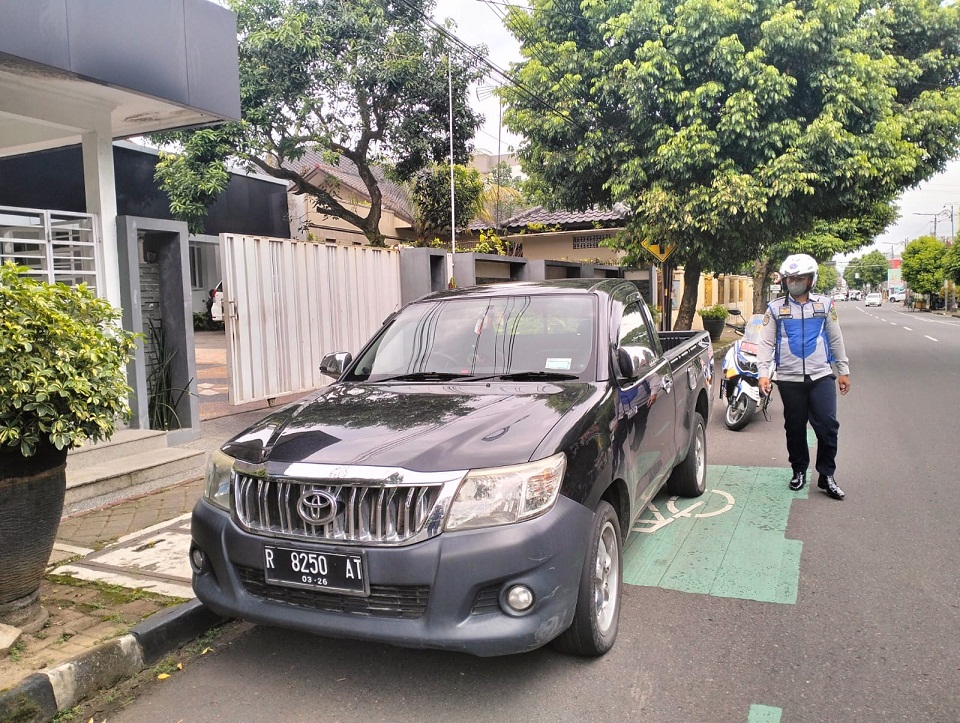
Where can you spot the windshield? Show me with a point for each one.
(550, 335)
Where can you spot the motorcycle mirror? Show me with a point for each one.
(734, 312)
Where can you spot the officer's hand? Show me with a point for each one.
(765, 385)
(843, 381)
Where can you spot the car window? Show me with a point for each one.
(633, 329)
(485, 335)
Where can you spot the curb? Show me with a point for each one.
(41, 696)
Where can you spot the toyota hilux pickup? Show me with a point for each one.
(468, 480)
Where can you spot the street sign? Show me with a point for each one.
(661, 252)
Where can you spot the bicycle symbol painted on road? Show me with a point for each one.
(659, 520)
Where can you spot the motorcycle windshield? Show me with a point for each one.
(750, 342)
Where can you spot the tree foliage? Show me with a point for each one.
(869, 269)
(827, 278)
(922, 265)
(951, 262)
(430, 192)
(364, 80)
(730, 127)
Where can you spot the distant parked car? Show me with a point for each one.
(897, 296)
(874, 300)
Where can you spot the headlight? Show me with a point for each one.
(503, 495)
(217, 487)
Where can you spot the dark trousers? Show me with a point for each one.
(816, 402)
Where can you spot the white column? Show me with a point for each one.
(101, 196)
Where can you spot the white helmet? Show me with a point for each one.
(799, 265)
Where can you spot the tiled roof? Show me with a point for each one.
(395, 196)
(541, 215)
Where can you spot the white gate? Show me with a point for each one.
(287, 303)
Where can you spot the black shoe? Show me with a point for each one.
(829, 485)
(798, 481)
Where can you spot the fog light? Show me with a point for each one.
(520, 598)
(197, 559)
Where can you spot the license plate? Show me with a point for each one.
(326, 571)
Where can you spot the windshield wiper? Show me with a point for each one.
(426, 377)
(536, 376)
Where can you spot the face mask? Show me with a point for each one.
(797, 288)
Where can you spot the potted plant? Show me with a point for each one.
(714, 317)
(63, 357)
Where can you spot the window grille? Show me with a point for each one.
(54, 245)
(589, 241)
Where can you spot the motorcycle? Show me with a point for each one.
(741, 382)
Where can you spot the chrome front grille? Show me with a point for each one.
(361, 512)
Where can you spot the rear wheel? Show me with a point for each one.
(689, 478)
(597, 617)
(739, 412)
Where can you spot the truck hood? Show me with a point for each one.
(426, 428)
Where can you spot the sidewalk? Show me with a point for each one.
(118, 590)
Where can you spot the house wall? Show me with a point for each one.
(307, 222)
(566, 246)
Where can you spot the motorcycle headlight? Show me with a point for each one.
(504, 495)
(218, 478)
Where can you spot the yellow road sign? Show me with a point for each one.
(661, 252)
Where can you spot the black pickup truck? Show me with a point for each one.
(468, 480)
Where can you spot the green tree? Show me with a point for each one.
(868, 269)
(951, 262)
(827, 279)
(729, 127)
(430, 192)
(922, 265)
(364, 81)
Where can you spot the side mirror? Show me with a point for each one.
(333, 364)
(734, 312)
(633, 361)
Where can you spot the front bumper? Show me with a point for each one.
(446, 592)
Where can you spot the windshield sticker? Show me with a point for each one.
(558, 364)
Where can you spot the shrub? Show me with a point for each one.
(717, 311)
(64, 361)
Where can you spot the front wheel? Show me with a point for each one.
(739, 412)
(597, 617)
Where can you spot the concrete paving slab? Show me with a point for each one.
(154, 559)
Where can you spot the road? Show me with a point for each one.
(860, 622)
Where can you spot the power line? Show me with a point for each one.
(483, 60)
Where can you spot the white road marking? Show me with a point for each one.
(908, 328)
(659, 520)
(930, 338)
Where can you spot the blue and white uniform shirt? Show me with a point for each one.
(800, 340)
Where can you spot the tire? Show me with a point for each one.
(689, 478)
(597, 617)
(739, 412)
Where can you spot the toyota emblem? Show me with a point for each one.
(317, 507)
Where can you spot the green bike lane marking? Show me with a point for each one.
(731, 542)
(764, 714)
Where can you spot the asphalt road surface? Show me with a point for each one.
(773, 607)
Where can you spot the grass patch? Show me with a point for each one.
(115, 595)
(15, 653)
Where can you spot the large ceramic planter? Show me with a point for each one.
(714, 327)
(31, 502)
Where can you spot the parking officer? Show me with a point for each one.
(801, 341)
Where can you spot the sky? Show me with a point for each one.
(476, 24)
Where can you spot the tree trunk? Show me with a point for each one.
(762, 269)
(691, 290)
